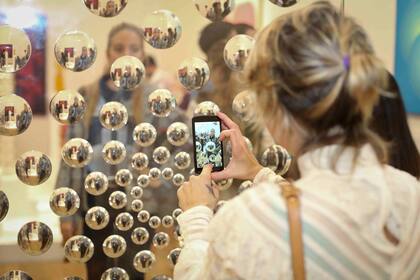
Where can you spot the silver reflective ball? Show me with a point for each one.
(161, 155)
(136, 192)
(167, 221)
(143, 216)
(178, 133)
(115, 273)
(178, 179)
(68, 107)
(206, 108)
(161, 240)
(15, 114)
(237, 50)
(16, 49)
(123, 177)
(124, 221)
(224, 184)
(140, 236)
(277, 159)
(193, 73)
(97, 218)
(96, 183)
(243, 106)
(35, 238)
(154, 174)
(144, 260)
(176, 213)
(162, 29)
(143, 180)
(173, 256)
(15, 275)
(139, 161)
(167, 173)
(79, 248)
(33, 168)
(117, 200)
(4, 205)
(182, 160)
(214, 10)
(244, 186)
(284, 3)
(75, 51)
(113, 115)
(127, 72)
(144, 134)
(154, 222)
(136, 205)
(114, 246)
(109, 8)
(77, 152)
(64, 202)
(114, 152)
(161, 102)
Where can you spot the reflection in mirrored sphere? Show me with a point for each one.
(96, 183)
(277, 159)
(124, 221)
(75, 51)
(167, 173)
(140, 236)
(115, 273)
(193, 73)
(177, 235)
(114, 152)
(182, 160)
(68, 106)
(244, 186)
(143, 181)
(113, 115)
(219, 205)
(77, 152)
(139, 161)
(161, 240)
(114, 246)
(206, 108)
(243, 105)
(178, 179)
(161, 155)
(284, 3)
(15, 49)
(173, 256)
(15, 115)
(143, 216)
(97, 218)
(144, 261)
(154, 174)
(167, 221)
(4, 205)
(123, 177)
(127, 72)
(176, 213)
(79, 248)
(15, 275)
(144, 134)
(162, 29)
(136, 192)
(35, 238)
(64, 202)
(136, 205)
(178, 134)
(33, 168)
(224, 184)
(214, 10)
(154, 222)
(161, 102)
(117, 200)
(109, 8)
(237, 51)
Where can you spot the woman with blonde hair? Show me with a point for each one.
(317, 80)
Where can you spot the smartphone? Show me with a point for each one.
(208, 149)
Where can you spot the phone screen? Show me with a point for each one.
(208, 147)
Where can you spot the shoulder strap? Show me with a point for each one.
(291, 196)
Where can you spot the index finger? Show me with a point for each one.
(227, 121)
(206, 171)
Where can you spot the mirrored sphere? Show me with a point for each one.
(161, 277)
(113, 115)
(161, 102)
(97, 218)
(206, 108)
(124, 221)
(143, 181)
(176, 213)
(277, 159)
(77, 152)
(139, 161)
(173, 256)
(114, 152)
(115, 273)
(154, 174)
(144, 134)
(244, 186)
(75, 51)
(123, 177)
(73, 278)
(154, 222)
(178, 179)
(167, 221)
(136, 192)
(224, 184)
(117, 200)
(136, 205)
(79, 248)
(193, 73)
(64, 202)
(15, 49)
(140, 236)
(219, 205)
(127, 72)
(177, 133)
(177, 234)
(162, 29)
(144, 260)
(15, 115)
(33, 168)
(237, 50)
(229, 146)
(182, 160)
(161, 155)
(4, 205)
(284, 3)
(167, 173)
(68, 106)
(96, 183)
(243, 105)
(143, 216)
(15, 275)
(161, 240)
(114, 246)
(35, 238)
(109, 8)
(214, 10)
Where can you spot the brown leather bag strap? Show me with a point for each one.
(291, 196)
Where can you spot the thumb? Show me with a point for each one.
(217, 176)
(206, 171)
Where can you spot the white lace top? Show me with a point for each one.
(343, 214)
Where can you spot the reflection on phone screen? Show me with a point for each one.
(208, 147)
